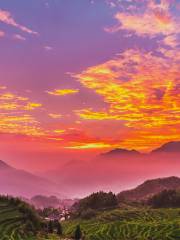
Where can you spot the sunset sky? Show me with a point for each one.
(81, 76)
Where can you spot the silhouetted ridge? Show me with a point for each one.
(121, 151)
(168, 147)
(150, 188)
(17, 182)
(4, 165)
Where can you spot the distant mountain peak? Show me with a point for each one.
(14, 182)
(121, 151)
(168, 147)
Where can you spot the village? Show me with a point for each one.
(54, 214)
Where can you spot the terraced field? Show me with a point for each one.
(137, 224)
(144, 224)
(11, 223)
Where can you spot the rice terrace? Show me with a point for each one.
(131, 225)
(13, 222)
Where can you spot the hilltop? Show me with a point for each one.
(120, 152)
(170, 147)
(4, 166)
(15, 181)
(150, 188)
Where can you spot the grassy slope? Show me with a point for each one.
(11, 223)
(144, 224)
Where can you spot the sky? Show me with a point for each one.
(81, 77)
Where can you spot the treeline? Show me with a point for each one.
(88, 206)
(165, 199)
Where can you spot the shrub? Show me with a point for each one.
(88, 213)
(164, 199)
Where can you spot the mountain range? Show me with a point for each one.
(170, 147)
(66, 181)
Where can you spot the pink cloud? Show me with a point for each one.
(19, 37)
(48, 48)
(2, 34)
(7, 18)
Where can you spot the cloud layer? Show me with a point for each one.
(121, 98)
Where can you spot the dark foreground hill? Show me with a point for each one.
(17, 220)
(150, 188)
(20, 221)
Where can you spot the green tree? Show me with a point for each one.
(166, 198)
(58, 227)
(88, 213)
(78, 233)
(97, 201)
(50, 227)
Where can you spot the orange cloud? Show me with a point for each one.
(63, 92)
(59, 131)
(11, 96)
(96, 145)
(141, 90)
(89, 114)
(20, 124)
(14, 116)
(32, 106)
(55, 115)
(11, 101)
(79, 140)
